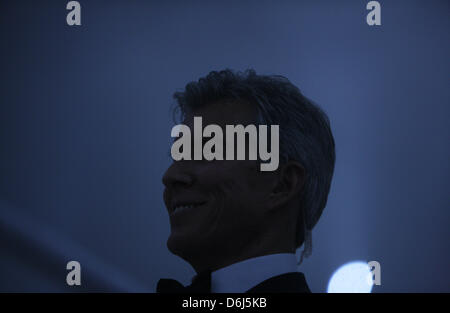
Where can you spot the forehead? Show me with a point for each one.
(225, 112)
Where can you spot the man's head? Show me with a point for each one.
(230, 210)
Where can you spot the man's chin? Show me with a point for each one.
(180, 244)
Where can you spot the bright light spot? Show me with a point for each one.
(353, 277)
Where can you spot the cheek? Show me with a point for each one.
(239, 199)
(233, 183)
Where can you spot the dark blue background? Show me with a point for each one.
(85, 123)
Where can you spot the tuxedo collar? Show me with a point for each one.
(294, 282)
(243, 276)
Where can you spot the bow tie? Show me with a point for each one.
(201, 283)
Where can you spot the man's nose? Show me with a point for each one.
(176, 176)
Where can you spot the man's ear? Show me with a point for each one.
(289, 183)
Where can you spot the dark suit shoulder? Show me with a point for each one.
(293, 282)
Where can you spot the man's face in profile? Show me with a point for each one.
(216, 208)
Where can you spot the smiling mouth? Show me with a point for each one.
(186, 207)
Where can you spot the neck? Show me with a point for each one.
(271, 242)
